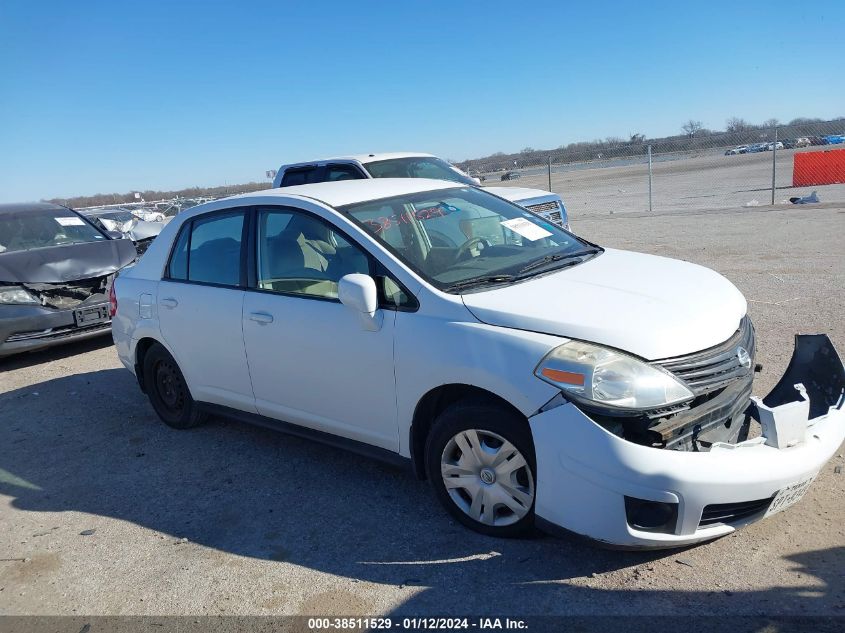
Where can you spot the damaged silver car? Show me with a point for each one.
(123, 224)
(56, 269)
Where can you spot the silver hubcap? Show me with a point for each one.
(487, 477)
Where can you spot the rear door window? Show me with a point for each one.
(300, 176)
(342, 172)
(208, 250)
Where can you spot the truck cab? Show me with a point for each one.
(547, 205)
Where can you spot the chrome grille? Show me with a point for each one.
(716, 367)
(544, 206)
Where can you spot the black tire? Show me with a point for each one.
(484, 417)
(168, 391)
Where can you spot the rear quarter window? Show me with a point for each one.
(303, 176)
(177, 268)
(342, 172)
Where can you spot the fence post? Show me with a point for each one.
(550, 172)
(774, 164)
(649, 178)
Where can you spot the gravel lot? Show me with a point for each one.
(104, 510)
(705, 181)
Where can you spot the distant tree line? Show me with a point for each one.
(695, 137)
(101, 199)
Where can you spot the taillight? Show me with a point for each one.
(112, 301)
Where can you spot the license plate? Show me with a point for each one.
(91, 316)
(789, 495)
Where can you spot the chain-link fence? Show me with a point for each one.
(748, 166)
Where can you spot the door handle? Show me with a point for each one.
(169, 302)
(262, 318)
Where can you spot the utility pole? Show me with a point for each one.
(649, 178)
(774, 164)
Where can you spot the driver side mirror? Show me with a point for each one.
(358, 293)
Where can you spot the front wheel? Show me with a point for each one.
(480, 459)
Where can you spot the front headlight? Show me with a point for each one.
(16, 296)
(605, 377)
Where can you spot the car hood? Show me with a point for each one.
(58, 264)
(650, 306)
(520, 194)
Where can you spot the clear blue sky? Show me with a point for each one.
(116, 96)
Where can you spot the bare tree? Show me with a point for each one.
(770, 123)
(691, 128)
(804, 121)
(527, 150)
(735, 124)
(637, 138)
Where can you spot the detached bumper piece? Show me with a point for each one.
(814, 383)
(603, 486)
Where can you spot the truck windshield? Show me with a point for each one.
(417, 167)
(22, 230)
(465, 238)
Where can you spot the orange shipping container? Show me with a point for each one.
(819, 168)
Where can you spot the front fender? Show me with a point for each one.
(431, 352)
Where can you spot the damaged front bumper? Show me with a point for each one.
(27, 328)
(602, 486)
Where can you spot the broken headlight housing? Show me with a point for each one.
(16, 296)
(608, 379)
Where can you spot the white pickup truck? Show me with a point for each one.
(414, 165)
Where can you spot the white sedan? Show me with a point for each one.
(531, 376)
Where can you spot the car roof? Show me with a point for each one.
(18, 207)
(361, 158)
(371, 158)
(334, 194)
(342, 192)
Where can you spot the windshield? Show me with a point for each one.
(417, 167)
(22, 230)
(462, 237)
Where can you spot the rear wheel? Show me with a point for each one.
(168, 391)
(480, 459)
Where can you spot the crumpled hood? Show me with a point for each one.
(58, 264)
(650, 306)
(143, 230)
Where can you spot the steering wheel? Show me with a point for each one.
(463, 250)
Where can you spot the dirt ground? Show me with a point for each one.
(104, 510)
(703, 182)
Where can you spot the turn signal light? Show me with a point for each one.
(566, 377)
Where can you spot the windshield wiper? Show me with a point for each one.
(549, 259)
(480, 281)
